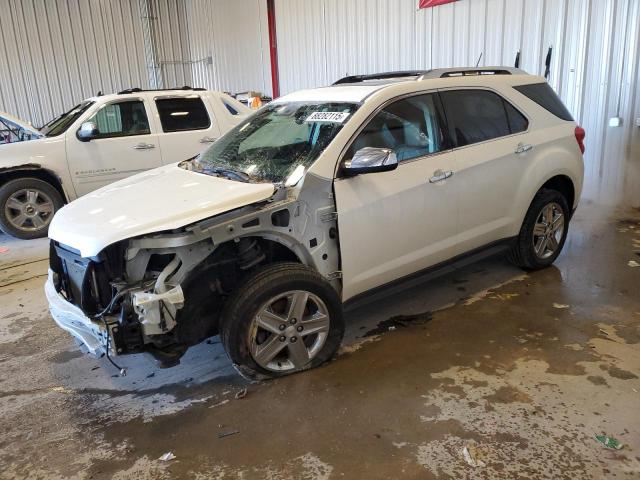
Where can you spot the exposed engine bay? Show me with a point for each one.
(164, 292)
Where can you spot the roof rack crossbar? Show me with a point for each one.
(463, 72)
(138, 89)
(381, 76)
(430, 74)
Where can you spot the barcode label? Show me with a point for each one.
(332, 117)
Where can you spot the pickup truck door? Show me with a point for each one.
(494, 151)
(396, 223)
(125, 145)
(188, 126)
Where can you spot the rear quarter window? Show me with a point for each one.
(543, 95)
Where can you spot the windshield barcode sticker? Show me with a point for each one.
(333, 117)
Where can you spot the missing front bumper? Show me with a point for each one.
(70, 318)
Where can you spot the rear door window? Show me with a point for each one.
(180, 114)
(479, 115)
(543, 95)
(411, 127)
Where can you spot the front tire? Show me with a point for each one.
(27, 206)
(283, 319)
(543, 231)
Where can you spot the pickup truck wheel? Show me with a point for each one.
(27, 206)
(543, 231)
(283, 319)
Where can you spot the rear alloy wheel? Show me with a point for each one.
(543, 231)
(27, 206)
(284, 318)
(548, 231)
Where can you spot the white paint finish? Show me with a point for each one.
(396, 223)
(595, 58)
(356, 93)
(86, 166)
(102, 161)
(121, 210)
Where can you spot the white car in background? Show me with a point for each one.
(319, 198)
(102, 140)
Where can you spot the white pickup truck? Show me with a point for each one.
(104, 139)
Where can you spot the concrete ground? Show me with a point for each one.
(521, 369)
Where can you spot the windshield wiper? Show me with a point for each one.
(227, 173)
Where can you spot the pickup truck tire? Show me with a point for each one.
(284, 318)
(543, 231)
(27, 206)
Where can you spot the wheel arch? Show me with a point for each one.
(564, 185)
(33, 171)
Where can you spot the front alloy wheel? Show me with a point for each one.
(284, 318)
(27, 206)
(29, 210)
(289, 330)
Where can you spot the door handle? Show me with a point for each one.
(144, 146)
(522, 148)
(440, 175)
(207, 140)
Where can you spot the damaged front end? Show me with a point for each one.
(162, 293)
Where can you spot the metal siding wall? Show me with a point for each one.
(596, 50)
(235, 34)
(172, 43)
(54, 53)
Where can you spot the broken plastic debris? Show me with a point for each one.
(470, 456)
(167, 457)
(504, 296)
(392, 328)
(633, 263)
(560, 305)
(4, 249)
(241, 393)
(609, 442)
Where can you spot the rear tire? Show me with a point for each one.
(27, 206)
(283, 319)
(543, 231)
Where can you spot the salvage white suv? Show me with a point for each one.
(104, 139)
(318, 199)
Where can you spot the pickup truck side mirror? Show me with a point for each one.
(370, 160)
(87, 132)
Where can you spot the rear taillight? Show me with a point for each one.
(580, 134)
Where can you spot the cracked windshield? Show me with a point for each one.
(277, 144)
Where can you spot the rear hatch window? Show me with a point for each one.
(543, 95)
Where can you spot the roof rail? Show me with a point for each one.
(138, 89)
(381, 76)
(464, 72)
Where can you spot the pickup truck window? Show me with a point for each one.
(276, 141)
(121, 119)
(182, 113)
(411, 127)
(60, 124)
(478, 115)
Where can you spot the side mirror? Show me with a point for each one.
(371, 160)
(87, 132)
